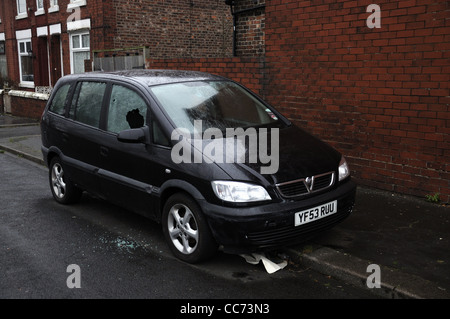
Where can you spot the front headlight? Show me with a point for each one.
(238, 192)
(344, 171)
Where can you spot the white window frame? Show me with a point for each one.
(76, 3)
(54, 6)
(40, 7)
(21, 14)
(27, 84)
(80, 49)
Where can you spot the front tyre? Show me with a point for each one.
(62, 188)
(186, 230)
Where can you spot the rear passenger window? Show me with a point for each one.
(126, 110)
(87, 104)
(59, 100)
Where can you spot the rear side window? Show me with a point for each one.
(87, 103)
(127, 109)
(59, 100)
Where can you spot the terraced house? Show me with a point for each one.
(41, 40)
(374, 83)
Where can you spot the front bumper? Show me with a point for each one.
(261, 227)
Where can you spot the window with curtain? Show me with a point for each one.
(80, 51)
(26, 61)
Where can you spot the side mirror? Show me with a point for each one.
(134, 135)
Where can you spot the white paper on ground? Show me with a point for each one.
(270, 266)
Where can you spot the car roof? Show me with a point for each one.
(151, 77)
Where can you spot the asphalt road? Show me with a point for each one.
(120, 254)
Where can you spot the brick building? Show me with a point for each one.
(45, 39)
(378, 94)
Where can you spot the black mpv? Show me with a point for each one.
(198, 153)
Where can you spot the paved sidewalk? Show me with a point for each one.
(406, 237)
(27, 146)
(14, 121)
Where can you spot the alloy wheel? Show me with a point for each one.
(58, 184)
(183, 229)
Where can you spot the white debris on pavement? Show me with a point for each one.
(270, 266)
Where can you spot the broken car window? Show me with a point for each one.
(126, 110)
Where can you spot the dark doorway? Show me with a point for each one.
(55, 58)
(42, 76)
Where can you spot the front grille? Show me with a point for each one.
(307, 185)
(291, 234)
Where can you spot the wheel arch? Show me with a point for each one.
(174, 186)
(52, 153)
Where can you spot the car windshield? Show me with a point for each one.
(214, 104)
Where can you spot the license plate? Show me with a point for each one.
(315, 213)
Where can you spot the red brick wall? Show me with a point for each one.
(246, 70)
(6, 13)
(175, 28)
(250, 26)
(27, 107)
(381, 96)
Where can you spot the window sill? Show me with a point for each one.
(28, 85)
(39, 12)
(76, 3)
(21, 16)
(29, 95)
(53, 9)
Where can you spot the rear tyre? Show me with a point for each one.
(63, 190)
(186, 230)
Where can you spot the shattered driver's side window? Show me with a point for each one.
(126, 110)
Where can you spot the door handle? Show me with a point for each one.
(104, 151)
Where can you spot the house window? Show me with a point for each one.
(40, 7)
(21, 9)
(26, 63)
(53, 6)
(21, 6)
(3, 65)
(80, 51)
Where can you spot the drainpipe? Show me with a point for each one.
(235, 14)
